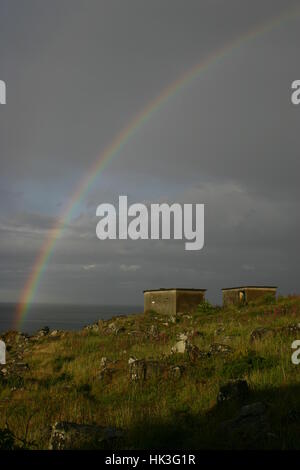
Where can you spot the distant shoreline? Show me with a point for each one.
(68, 317)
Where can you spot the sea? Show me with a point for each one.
(61, 317)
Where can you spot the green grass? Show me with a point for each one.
(63, 381)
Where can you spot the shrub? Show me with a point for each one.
(7, 441)
(243, 365)
(205, 307)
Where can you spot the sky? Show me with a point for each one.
(77, 72)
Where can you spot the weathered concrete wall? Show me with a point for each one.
(188, 301)
(163, 302)
(246, 294)
(170, 302)
(230, 297)
(254, 294)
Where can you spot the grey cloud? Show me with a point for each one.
(76, 73)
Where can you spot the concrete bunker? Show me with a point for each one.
(172, 301)
(245, 294)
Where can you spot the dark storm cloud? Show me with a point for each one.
(77, 73)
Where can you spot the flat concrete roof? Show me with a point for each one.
(174, 288)
(250, 287)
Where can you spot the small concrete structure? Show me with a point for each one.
(172, 301)
(2, 352)
(242, 295)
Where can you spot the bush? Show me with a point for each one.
(59, 361)
(205, 307)
(7, 440)
(243, 365)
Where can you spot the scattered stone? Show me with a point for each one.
(180, 347)
(137, 370)
(176, 372)
(260, 333)
(132, 359)
(291, 329)
(106, 374)
(103, 361)
(219, 330)
(182, 337)
(114, 328)
(73, 436)
(93, 327)
(154, 331)
(233, 390)
(54, 333)
(219, 348)
(43, 332)
(194, 353)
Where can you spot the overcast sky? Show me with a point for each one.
(77, 72)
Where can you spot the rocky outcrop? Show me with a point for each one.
(250, 426)
(73, 436)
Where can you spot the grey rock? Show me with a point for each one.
(194, 353)
(182, 337)
(180, 347)
(43, 332)
(219, 348)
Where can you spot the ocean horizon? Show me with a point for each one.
(61, 316)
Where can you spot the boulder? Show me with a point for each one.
(233, 390)
(250, 425)
(180, 347)
(72, 436)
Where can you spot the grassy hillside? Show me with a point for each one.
(169, 399)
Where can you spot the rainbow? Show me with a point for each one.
(116, 146)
